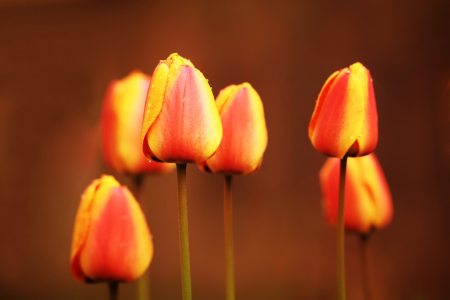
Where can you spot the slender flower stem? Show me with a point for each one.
(184, 236)
(143, 283)
(113, 290)
(365, 266)
(341, 232)
(228, 218)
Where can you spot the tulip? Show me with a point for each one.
(244, 132)
(240, 152)
(368, 202)
(122, 115)
(111, 240)
(181, 125)
(181, 122)
(345, 121)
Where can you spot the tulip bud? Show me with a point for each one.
(244, 132)
(181, 122)
(345, 121)
(111, 240)
(122, 115)
(368, 202)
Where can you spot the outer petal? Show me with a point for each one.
(118, 246)
(244, 131)
(188, 128)
(122, 117)
(345, 115)
(368, 203)
(83, 222)
(368, 137)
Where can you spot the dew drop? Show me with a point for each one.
(149, 160)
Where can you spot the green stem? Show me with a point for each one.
(143, 283)
(113, 290)
(184, 235)
(341, 232)
(228, 218)
(365, 267)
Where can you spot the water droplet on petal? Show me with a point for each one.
(149, 160)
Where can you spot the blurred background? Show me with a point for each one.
(58, 56)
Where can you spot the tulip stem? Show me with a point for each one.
(113, 290)
(365, 266)
(143, 283)
(184, 235)
(228, 218)
(341, 232)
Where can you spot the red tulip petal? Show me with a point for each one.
(188, 128)
(118, 246)
(344, 121)
(244, 131)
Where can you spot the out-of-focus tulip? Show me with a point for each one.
(368, 202)
(181, 122)
(345, 120)
(122, 115)
(111, 240)
(244, 132)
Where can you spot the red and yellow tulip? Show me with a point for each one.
(244, 132)
(181, 122)
(111, 240)
(345, 121)
(368, 202)
(122, 115)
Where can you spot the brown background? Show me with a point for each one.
(57, 57)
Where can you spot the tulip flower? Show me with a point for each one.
(181, 122)
(244, 132)
(345, 121)
(368, 202)
(122, 115)
(111, 240)
(181, 125)
(240, 152)
(345, 124)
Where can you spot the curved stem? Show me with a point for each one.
(341, 232)
(228, 218)
(184, 236)
(113, 290)
(365, 267)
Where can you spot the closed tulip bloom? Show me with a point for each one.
(244, 132)
(111, 240)
(122, 115)
(368, 202)
(345, 120)
(181, 122)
